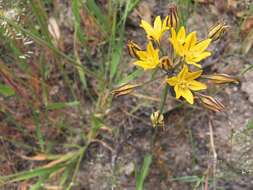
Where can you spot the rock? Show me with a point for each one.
(247, 85)
(129, 168)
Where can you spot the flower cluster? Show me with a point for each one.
(181, 63)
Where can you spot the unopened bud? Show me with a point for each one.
(211, 103)
(216, 31)
(54, 29)
(157, 119)
(133, 48)
(173, 20)
(166, 63)
(125, 89)
(221, 78)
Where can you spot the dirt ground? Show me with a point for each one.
(183, 148)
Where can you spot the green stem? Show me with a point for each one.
(162, 104)
(163, 97)
(81, 155)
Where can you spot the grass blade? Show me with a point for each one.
(26, 175)
(137, 73)
(95, 10)
(143, 172)
(6, 90)
(61, 105)
(78, 35)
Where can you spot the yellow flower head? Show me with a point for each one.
(184, 82)
(188, 46)
(148, 59)
(155, 33)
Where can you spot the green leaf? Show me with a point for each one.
(144, 172)
(39, 184)
(100, 17)
(6, 90)
(30, 174)
(78, 35)
(137, 73)
(61, 105)
(250, 124)
(247, 43)
(96, 124)
(76, 6)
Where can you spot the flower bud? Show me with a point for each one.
(157, 119)
(166, 63)
(221, 78)
(216, 31)
(133, 48)
(211, 103)
(173, 20)
(125, 89)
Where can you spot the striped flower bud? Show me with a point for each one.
(216, 31)
(173, 20)
(166, 63)
(125, 89)
(133, 48)
(157, 119)
(211, 103)
(221, 78)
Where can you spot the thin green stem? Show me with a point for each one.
(163, 98)
(81, 155)
(162, 104)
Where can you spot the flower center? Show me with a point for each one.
(183, 84)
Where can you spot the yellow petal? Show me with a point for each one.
(200, 47)
(202, 56)
(177, 46)
(173, 34)
(187, 94)
(172, 81)
(145, 64)
(165, 27)
(181, 35)
(147, 27)
(183, 72)
(190, 40)
(156, 56)
(195, 85)
(178, 91)
(142, 55)
(150, 49)
(191, 62)
(193, 75)
(158, 24)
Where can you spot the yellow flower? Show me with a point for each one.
(148, 59)
(184, 82)
(155, 33)
(188, 47)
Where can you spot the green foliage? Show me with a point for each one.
(6, 90)
(62, 105)
(249, 124)
(41, 104)
(143, 173)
